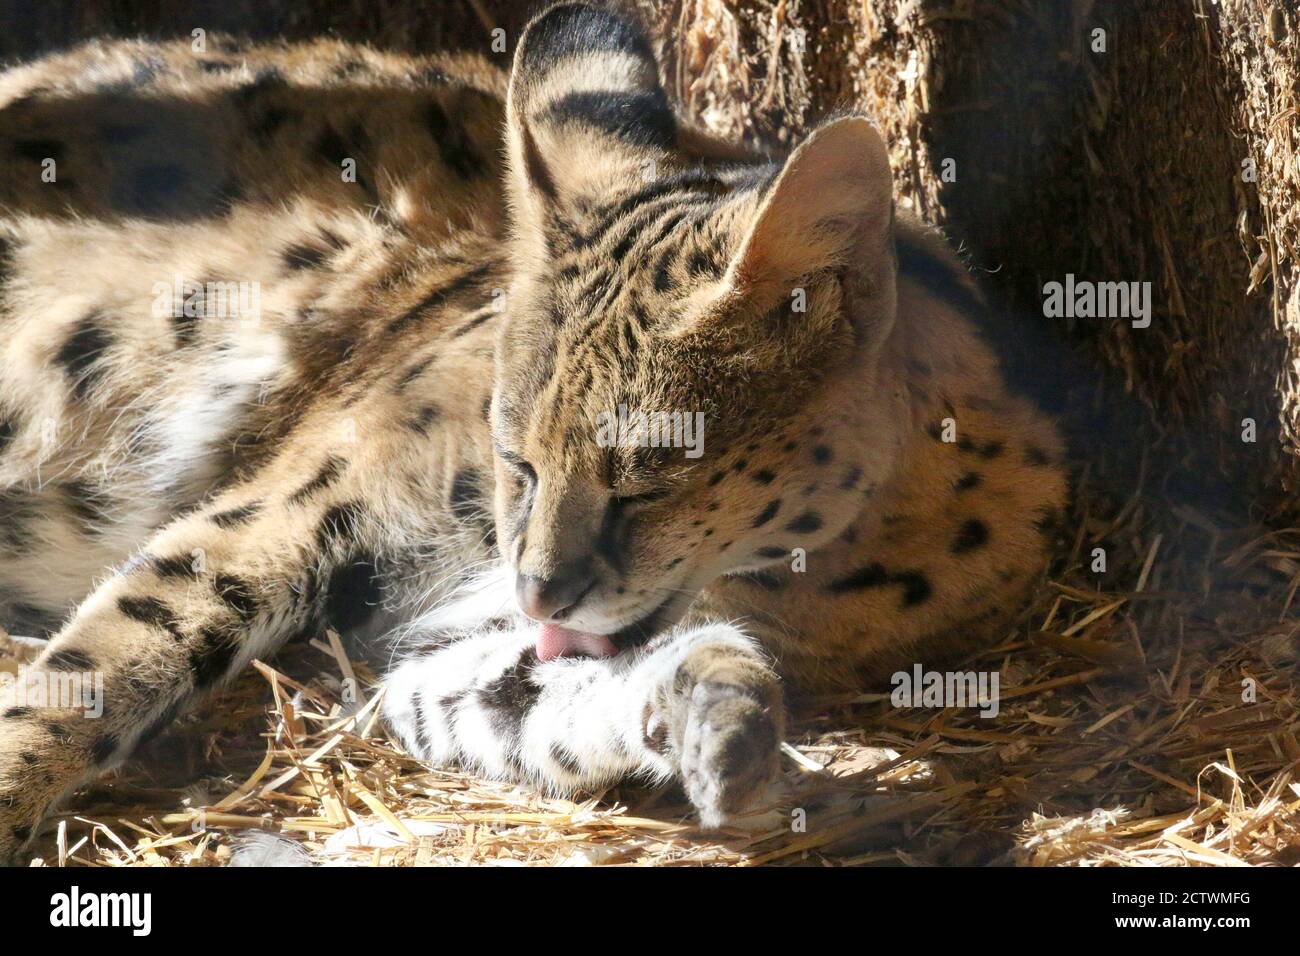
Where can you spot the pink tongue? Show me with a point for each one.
(555, 641)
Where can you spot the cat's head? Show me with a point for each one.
(661, 412)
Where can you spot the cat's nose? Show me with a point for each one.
(553, 598)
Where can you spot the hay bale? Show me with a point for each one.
(1259, 46)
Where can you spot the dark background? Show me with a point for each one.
(31, 27)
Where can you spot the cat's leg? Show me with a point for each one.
(211, 591)
(701, 704)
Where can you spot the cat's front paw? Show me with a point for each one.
(38, 764)
(729, 750)
(18, 821)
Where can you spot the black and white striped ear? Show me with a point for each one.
(585, 112)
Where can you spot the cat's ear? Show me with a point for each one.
(827, 220)
(585, 113)
(831, 207)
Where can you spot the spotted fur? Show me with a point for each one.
(458, 272)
